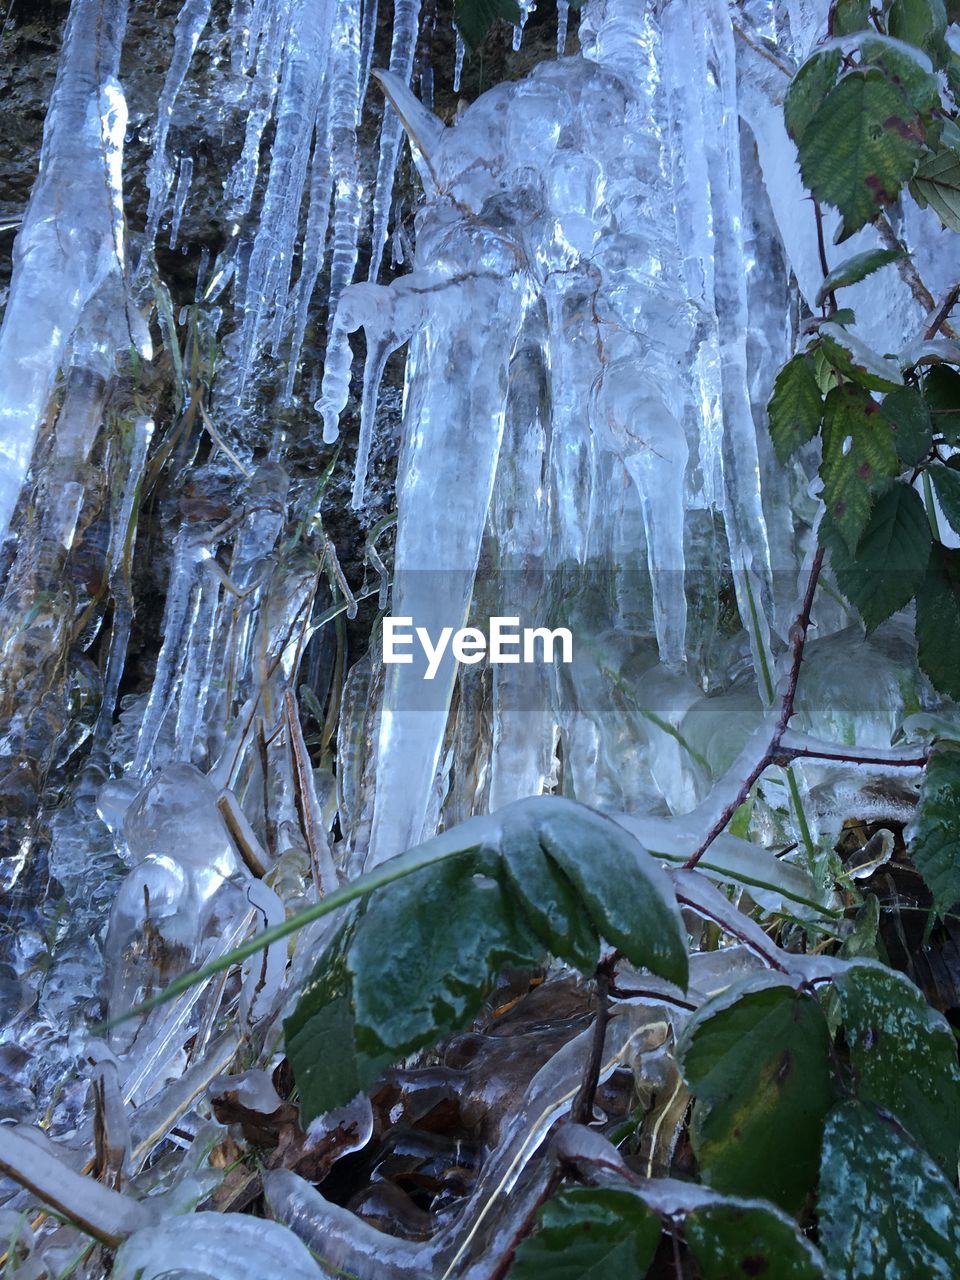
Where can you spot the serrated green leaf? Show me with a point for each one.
(627, 894)
(590, 1233)
(907, 69)
(808, 89)
(474, 18)
(855, 269)
(733, 1240)
(795, 407)
(946, 482)
(849, 16)
(883, 574)
(904, 1057)
(859, 459)
(935, 848)
(922, 23)
(938, 620)
(853, 358)
(448, 931)
(937, 183)
(759, 1069)
(941, 392)
(885, 1208)
(549, 901)
(908, 415)
(861, 146)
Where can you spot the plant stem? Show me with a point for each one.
(931, 506)
(582, 1109)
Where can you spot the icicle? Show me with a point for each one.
(461, 53)
(526, 8)
(239, 187)
(68, 243)
(344, 114)
(184, 179)
(190, 24)
(368, 35)
(406, 18)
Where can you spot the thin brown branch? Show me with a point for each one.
(582, 1110)
(939, 321)
(911, 276)
(798, 638)
(787, 754)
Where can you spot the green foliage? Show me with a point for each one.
(937, 184)
(849, 16)
(855, 269)
(760, 1071)
(941, 391)
(735, 1240)
(946, 482)
(474, 18)
(938, 620)
(908, 415)
(935, 848)
(885, 1208)
(859, 459)
(796, 406)
(922, 23)
(590, 1234)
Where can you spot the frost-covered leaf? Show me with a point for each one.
(885, 1208)
(946, 482)
(855, 269)
(935, 848)
(938, 620)
(859, 458)
(588, 1233)
(474, 18)
(907, 68)
(627, 893)
(937, 184)
(759, 1068)
(883, 574)
(808, 89)
(795, 407)
(922, 23)
(941, 391)
(908, 415)
(856, 360)
(904, 1057)
(738, 1240)
(861, 146)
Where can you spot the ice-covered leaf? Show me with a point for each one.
(935, 848)
(922, 23)
(937, 183)
(474, 18)
(588, 1233)
(855, 269)
(946, 482)
(627, 893)
(808, 89)
(859, 458)
(908, 415)
(883, 574)
(941, 391)
(907, 67)
(848, 16)
(739, 1240)
(852, 357)
(759, 1069)
(904, 1057)
(861, 146)
(938, 620)
(795, 407)
(885, 1208)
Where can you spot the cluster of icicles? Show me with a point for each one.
(599, 299)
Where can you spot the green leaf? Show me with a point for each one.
(883, 574)
(589, 1233)
(549, 901)
(849, 16)
(938, 620)
(860, 147)
(855, 269)
(941, 391)
(857, 361)
(795, 407)
(946, 482)
(733, 1240)
(759, 1068)
(937, 183)
(908, 415)
(428, 949)
(859, 459)
(904, 1057)
(474, 18)
(885, 1208)
(922, 23)
(808, 89)
(935, 849)
(628, 895)
(908, 70)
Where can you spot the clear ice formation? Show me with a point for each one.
(597, 302)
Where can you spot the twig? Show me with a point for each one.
(798, 638)
(582, 1110)
(911, 277)
(939, 320)
(821, 249)
(785, 754)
